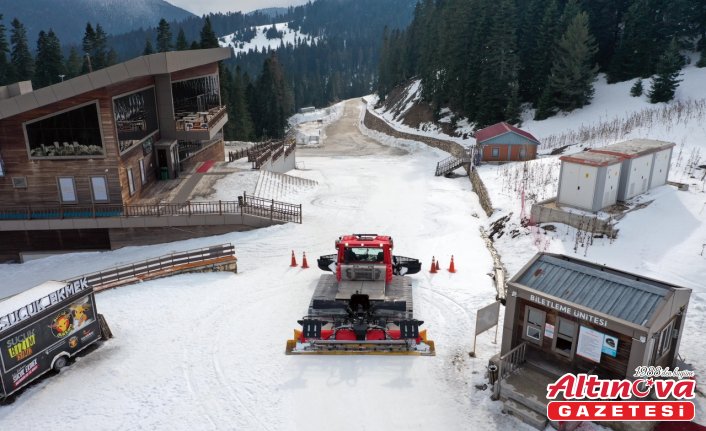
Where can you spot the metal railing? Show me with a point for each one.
(204, 123)
(157, 266)
(509, 363)
(267, 208)
(449, 164)
(271, 208)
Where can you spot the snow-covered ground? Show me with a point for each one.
(205, 351)
(665, 240)
(260, 41)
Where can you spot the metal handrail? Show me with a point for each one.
(274, 210)
(135, 270)
(509, 363)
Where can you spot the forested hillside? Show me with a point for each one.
(68, 18)
(486, 58)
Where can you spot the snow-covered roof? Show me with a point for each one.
(634, 148)
(592, 158)
(501, 128)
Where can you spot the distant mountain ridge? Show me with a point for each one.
(68, 18)
(271, 11)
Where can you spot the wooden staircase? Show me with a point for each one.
(452, 163)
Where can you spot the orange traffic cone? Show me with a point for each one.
(437, 265)
(305, 265)
(294, 260)
(452, 267)
(433, 266)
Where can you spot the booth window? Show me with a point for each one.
(565, 337)
(495, 152)
(664, 342)
(523, 153)
(534, 324)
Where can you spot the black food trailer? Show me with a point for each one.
(41, 328)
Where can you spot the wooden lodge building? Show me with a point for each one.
(503, 142)
(102, 139)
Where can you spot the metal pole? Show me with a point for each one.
(473, 352)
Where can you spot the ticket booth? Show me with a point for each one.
(583, 317)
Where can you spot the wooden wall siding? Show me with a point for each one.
(131, 159)
(41, 174)
(608, 367)
(11, 243)
(504, 154)
(207, 69)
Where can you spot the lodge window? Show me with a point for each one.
(196, 95)
(534, 325)
(143, 176)
(130, 181)
(135, 117)
(523, 153)
(664, 341)
(69, 134)
(495, 152)
(99, 187)
(67, 189)
(564, 340)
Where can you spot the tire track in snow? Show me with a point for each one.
(214, 395)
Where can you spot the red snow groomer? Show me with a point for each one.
(365, 306)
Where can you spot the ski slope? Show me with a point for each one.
(206, 351)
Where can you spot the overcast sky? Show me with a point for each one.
(200, 7)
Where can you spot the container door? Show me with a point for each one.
(660, 168)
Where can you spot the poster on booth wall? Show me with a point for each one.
(548, 330)
(610, 345)
(590, 344)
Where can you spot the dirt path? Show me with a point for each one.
(343, 138)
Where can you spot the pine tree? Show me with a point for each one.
(20, 57)
(636, 89)
(545, 105)
(574, 69)
(273, 102)
(243, 129)
(5, 72)
(639, 43)
(148, 47)
(164, 36)
(540, 61)
(49, 66)
(181, 43)
(89, 41)
(665, 83)
(73, 63)
(194, 45)
(208, 36)
(99, 56)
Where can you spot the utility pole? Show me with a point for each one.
(88, 57)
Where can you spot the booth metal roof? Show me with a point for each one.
(615, 293)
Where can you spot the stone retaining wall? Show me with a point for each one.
(481, 191)
(373, 122)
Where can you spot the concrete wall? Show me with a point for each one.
(282, 164)
(546, 212)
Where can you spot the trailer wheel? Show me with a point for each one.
(60, 363)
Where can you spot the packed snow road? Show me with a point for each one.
(206, 351)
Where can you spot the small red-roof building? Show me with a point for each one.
(503, 142)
